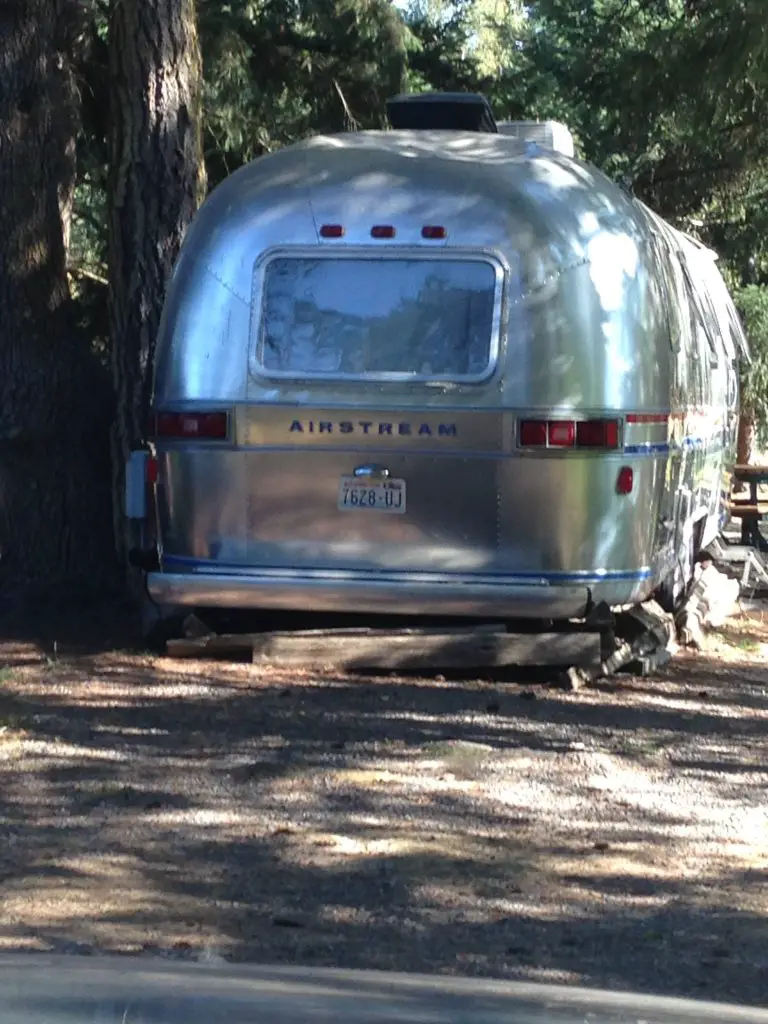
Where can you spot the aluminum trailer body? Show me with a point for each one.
(425, 372)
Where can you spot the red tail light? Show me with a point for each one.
(433, 231)
(332, 231)
(208, 426)
(625, 481)
(151, 470)
(597, 434)
(601, 434)
(382, 231)
(561, 434)
(533, 433)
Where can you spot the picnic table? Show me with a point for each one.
(751, 511)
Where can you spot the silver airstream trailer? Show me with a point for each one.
(442, 369)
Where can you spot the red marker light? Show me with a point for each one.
(433, 231)
(332, 231)
(382, 231)
(625, 481)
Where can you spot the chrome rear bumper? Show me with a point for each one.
(384, 593)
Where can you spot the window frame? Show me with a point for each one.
(492, 259)
(701, 304)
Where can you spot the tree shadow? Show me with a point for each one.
(161, 807)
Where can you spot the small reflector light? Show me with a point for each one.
(151, 470)
(332, 231)
(625, 480)
(382, 231)
(210, 426)
(562, 434)
(533, 433)
(433, 231)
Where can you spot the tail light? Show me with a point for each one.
(533, 434)
(561, 434)
(597, 434)
(176, 426)
(150, 472)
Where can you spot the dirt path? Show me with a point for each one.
(615, 837)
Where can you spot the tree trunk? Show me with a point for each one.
(745, 447)
(157, 181)
(746, 440)
(55, 400)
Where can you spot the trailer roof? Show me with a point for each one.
(478, 175)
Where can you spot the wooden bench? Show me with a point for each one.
(740, 509)
(751, 511)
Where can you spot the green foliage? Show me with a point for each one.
(662, 94)
(752, 303)
(669, 96)
(277, 71)
(471, 45)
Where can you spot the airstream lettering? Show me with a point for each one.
(435, 371)
(403, 429)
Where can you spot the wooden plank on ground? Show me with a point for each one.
(231, 644)
(211, 646)
(401, 650)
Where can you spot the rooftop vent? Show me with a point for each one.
(549, 134)
(435, 111)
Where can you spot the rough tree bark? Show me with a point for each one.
(157, 180)
(746, 440)
(55, 400)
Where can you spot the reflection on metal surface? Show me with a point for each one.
(40, 989)
(555, 595)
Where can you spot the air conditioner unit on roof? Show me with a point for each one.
(549, 134)
(471, 112)
(446, 111)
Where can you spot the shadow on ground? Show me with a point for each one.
(607, 838)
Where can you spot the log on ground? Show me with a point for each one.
(412, 649)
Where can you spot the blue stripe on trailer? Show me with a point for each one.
(647, 448)
(585, 576)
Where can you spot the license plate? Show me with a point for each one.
(384, 496)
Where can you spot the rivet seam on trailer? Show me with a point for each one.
(224, 284)
(518, 300)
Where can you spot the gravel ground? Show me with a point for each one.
(616, 837)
